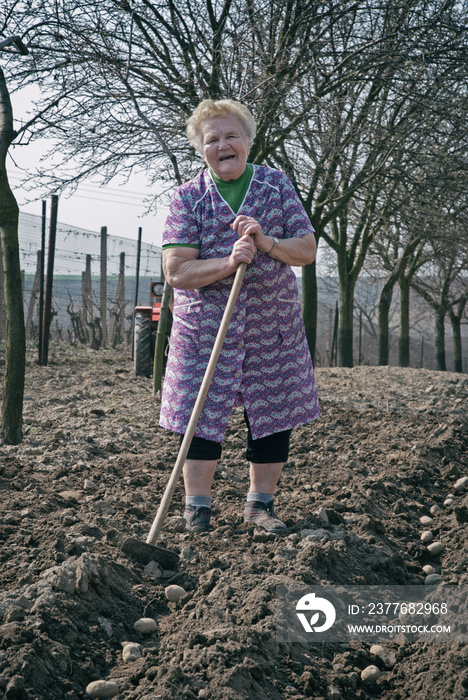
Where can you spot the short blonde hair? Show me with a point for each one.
(218, 108)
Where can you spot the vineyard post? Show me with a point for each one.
(49, 280)
(41, 282)
(103, 285)
(137, 281)
(34, 294)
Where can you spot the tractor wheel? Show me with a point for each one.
(142, 345)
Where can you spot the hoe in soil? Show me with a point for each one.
(144, 552)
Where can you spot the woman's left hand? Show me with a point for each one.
(248, 226)
(297, 251)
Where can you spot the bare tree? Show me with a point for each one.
(443, 284)
(400, 251)
(110, 72)
(15, 361)
(430, 183)
(389, 68)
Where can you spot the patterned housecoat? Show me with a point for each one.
(265, 363)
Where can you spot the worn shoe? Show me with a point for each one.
(198, 519)
(263, 515)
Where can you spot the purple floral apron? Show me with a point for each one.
(265, 363)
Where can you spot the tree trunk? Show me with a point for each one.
(439, 340)
(455, 320)
(2, 299)
(15, 359)
(309, 305)
(345, 324)
(385, 301)
(404, 333)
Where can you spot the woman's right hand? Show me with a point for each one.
(243, 251)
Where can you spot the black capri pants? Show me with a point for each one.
(269, 449)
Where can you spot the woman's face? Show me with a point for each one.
(225, 147)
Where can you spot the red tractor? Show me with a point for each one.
(145, 329)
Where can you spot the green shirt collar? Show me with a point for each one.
(246, 175)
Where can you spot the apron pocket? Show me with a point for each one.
(185, 334)
(289, 322)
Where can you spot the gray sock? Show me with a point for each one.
(262, 497)
(198, 501)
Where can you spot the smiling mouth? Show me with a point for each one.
(226, 157)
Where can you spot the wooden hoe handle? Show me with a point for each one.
(197, 409)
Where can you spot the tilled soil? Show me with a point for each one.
(390, 444)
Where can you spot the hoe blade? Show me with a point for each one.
(144, 553)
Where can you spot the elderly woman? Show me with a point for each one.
(235, 212)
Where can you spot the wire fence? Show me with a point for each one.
(77, 278)
(77, 295)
